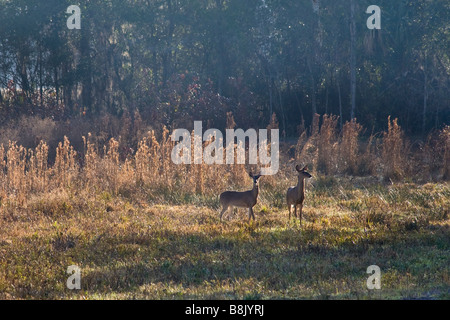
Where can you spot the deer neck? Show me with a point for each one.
(301, 186)
(255, 190)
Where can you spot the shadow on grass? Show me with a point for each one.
(279, 263)
(257, 260)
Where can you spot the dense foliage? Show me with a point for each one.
(177, 60)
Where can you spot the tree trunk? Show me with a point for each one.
(352, 60)
(425, 97)
(86, 69)
(221, 49)
(270, 95)
(313, 89)
(55, 73)
(283, 117)
(21, 69)
(339, 99)
(41, 91)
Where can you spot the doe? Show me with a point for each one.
(296, 195)
(242, 199)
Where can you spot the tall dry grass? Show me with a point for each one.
(327, 143)
(103, 166)
(388, 154)
(349, 155)
(394, 151)
(65, 167)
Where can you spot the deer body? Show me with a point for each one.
(296, 195)
(241, 199)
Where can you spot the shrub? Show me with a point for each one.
(349, 147)
(394, 151)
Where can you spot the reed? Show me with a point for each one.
(394, 151)
(327, 143)
(349, 148)
(103, 165)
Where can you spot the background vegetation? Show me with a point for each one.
(178, 61)
(87, 179)
(142, 227)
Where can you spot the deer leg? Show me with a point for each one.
(223, 211)
(295, 210)
(301, 209)
(290, 206)
(250, 214)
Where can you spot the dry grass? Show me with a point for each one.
(26, 171)
(349, 148)
(132, 248)
(394, 152)
(327, 145)
(140, 226)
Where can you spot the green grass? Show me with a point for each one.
(131, 247)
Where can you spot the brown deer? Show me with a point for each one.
(242, 199)
(296, 195)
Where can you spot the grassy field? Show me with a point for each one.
(173, 246)
(139, 226)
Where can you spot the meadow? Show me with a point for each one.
(141, 227)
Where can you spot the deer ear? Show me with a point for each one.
(305, 168)
(250, 174)
(297, 167)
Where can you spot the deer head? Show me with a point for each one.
(254, 177)
(302, 172)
